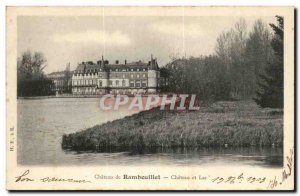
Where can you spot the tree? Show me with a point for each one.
(203, 76)
(270, 92)
(30, 76)
(258, 53)
(31, 65)
(230, 49)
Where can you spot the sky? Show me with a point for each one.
(72, 40)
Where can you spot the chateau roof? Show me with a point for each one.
(93, 67)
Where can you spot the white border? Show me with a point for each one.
(5, 3)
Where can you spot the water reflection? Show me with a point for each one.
(263, 157)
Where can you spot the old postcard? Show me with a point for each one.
(150, 98)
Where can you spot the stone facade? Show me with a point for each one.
(129, 78)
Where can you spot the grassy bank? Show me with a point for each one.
(222, 124)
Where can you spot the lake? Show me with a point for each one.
(42, 122)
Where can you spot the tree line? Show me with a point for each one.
(246, 65)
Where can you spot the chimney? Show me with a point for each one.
(106, 62)
(117, 61)
(151, 61)
(125, 62)
(102, 60)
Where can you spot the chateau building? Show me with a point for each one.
(129, 78)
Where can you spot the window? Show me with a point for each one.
(123, 83)
(144, 84)
(100, 83)
(131, 69)
(144, 75)
(138, 83)
(138, 69)
(110, 82)
(117, 83)
(131, 84)
(123, 75)
(131, 75)
(138, 76)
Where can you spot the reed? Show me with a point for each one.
(223, 124)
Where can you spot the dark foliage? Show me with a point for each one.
(270, 93)
(204, 76)
(38, 87)
(31, 80)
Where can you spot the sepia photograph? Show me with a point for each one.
(201, 92)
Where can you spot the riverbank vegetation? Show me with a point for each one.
(222, 124)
